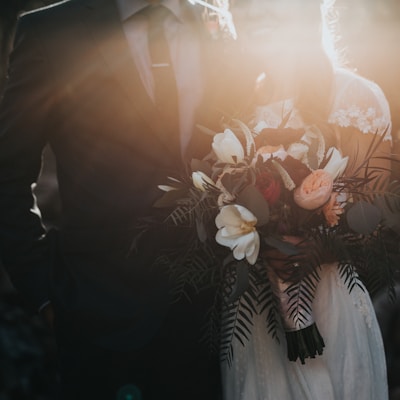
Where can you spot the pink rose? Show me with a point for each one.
(315, 190)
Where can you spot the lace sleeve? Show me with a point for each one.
(360, 103)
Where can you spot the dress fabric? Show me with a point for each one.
(353, 364)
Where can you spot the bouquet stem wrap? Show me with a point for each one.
(302, 335)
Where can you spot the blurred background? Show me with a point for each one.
(369, 33)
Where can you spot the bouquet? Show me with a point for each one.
(263, 213)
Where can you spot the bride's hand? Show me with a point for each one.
(290, 267)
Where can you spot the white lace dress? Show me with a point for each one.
(352, 365)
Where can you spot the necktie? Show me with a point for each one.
(165, 91)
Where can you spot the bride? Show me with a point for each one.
(283, 40)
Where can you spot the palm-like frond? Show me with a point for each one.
(268, 301)
(301, 295)
(349, 275)
(237, 315)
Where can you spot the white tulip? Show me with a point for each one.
(227, 146)
(201, 180)
(337, 164)
(237, 231)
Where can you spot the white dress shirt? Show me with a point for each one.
(185, 53)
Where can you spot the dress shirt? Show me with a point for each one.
(185, 54)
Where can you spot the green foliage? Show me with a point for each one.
(363, 217)
(364, 243)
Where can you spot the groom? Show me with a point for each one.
(84, 78)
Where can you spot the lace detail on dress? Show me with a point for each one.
(362, 303)
(360, 103)
(360, 299)
(367, 121)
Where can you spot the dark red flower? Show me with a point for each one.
(269, 187)
(296, 169)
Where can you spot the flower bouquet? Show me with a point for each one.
(263, 212)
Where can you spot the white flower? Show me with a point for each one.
(201, 180)
(337, 164)
(227, 147)
(298, 151)
(237, 231)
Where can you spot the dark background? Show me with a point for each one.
(369, 37)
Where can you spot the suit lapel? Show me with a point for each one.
(104, 24)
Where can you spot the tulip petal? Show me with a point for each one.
(236, 230)
(242, 244)
(336, 164)
(227, 147)
(201, 180)
(228, 215)
(225, 241)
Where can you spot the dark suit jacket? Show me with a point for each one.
(72, 84)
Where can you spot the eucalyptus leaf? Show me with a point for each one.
(390, 208)
(364, 217)
(251, 198)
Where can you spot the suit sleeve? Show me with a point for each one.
(24, 114)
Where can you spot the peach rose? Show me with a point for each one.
(332, 210)
(315, 190)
